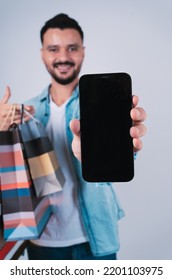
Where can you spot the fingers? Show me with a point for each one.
(6, 96)
(135, 100)
(5, 109)
(138, 114)
(137, 144)
(138, 131)
(26, 117)
(8, 115)
(75, 127)
(30, 109)
(76, 143)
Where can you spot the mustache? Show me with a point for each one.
(69, 63)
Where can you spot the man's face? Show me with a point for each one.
(63, 54)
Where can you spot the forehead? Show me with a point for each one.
(58, 36)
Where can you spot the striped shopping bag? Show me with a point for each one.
(24, 214)
(44, 168)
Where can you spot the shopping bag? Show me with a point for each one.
(24, 214)
(5, 247)
(2, 241)
(9, 249)
(43, 163)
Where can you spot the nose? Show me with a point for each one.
(63, 54)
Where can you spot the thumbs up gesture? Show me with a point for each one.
(7, 115)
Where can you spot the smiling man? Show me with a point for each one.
(84, 224)
(63, 54)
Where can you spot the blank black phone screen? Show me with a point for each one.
(106, 144)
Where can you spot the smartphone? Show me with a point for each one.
(106, 144)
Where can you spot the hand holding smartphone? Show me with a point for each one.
(106, 144)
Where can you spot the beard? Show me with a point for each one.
(64, 81)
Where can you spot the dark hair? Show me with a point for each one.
(61, 21)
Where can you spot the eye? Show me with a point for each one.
(53, 49)
(73, 48)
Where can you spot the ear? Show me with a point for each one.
(42, 54)
(83, 52)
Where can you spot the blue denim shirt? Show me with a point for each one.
(98, 203)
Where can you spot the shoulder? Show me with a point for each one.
(41, 105)
(39, 98)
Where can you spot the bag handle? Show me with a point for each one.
(10, 112)
(24, 111)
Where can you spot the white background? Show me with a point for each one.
(128, 35)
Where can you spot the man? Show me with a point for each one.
(84, 223)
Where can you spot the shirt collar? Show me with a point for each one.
(45, 93)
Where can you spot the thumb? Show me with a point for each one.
(75, 127)
(6, 96)
(76, 144)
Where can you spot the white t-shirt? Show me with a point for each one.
(64, 227)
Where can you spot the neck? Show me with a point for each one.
(60, 93)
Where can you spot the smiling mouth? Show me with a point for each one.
(63, 67)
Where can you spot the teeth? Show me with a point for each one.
(63, 67)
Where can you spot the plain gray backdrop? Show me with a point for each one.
(133, 36)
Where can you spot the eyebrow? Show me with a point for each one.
(70, 45)
(52, 46)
